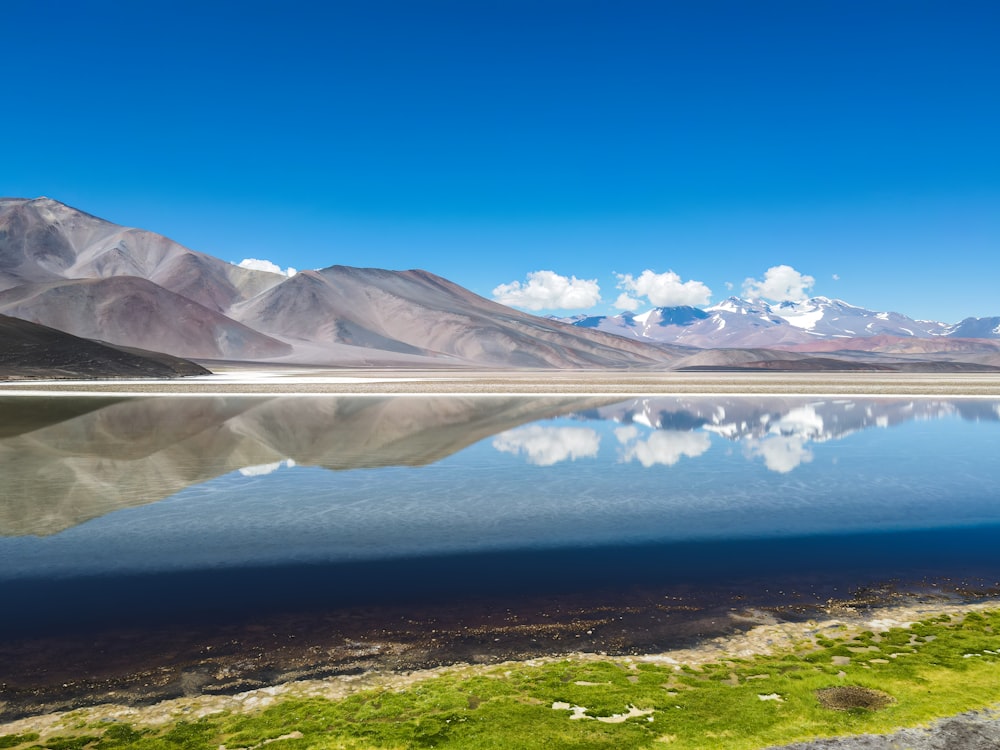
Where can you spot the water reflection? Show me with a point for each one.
(665, 447)
(84, 458)
(81, 459)
(545, 446)
(779, 432)
(815, 420)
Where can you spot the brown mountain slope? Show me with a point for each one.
(789, 361)
(130, 311)
(418, 312)
(42, 240)
(939, 349)
(68, 269)
(29, 350)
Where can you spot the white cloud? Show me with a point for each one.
(780, 284)
(665, 289)
(547, 290)
(781, 453)
(256, 264)
(836, 277)
(625, 302)
(545, 446)
(729, 286)
(666, 447)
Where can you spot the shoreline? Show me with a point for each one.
(769, 636)
(384, 382)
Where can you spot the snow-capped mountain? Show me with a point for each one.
(642, 326)
(976, 328)
(736, 322)
(835, 318)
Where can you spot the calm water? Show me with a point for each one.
(187, 507)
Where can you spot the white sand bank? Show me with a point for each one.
(312, 381)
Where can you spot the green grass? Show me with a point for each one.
(936, 668)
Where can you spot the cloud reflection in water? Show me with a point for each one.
(545, 446)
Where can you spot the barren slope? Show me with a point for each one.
(417, 312)
(29, 350)
(44, 240)
(130, 311)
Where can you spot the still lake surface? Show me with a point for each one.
(138, 510)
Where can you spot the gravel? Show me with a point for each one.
(974, 730)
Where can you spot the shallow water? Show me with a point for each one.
(140, 509)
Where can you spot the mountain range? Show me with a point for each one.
(739, 322)
(66, 269)
(126, 287)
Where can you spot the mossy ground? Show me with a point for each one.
(934, 668)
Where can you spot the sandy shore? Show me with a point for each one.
(305, 381)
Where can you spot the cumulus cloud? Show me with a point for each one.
(545, 446)
(627, 302)
(780, 284)
(665, 447)
(836, 277)
(547, 290)
(729, 286)
(255, 264)
(664, 289)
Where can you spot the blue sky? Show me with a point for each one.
(485, 140)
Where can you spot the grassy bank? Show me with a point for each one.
(831, 682)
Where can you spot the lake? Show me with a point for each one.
(502, 525)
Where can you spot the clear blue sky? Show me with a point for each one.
(486, 139)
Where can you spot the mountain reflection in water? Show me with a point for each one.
(381, 520)
(137, 451)
(68, 461)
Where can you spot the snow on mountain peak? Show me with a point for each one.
(753, 322)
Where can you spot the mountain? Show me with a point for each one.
(29, 350)
(737, 322)
(70, 270)
(42, 240)
(901, 349)
(416, 312)
(132, 311)
(976, 328)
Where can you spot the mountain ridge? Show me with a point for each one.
(146, 286)
(739, 322)
(78, 273)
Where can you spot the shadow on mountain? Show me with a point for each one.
(30, 351)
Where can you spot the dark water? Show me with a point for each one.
(198, 513)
